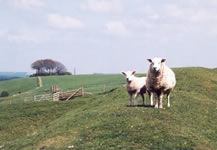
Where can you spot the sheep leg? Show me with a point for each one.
(157, 100)
(152, 103)
(151, 98)
(168, 100)
(160, 101)
(143, 99)
(136, 101)
(130, 100)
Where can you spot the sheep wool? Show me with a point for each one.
(135, 85)
(160, 80)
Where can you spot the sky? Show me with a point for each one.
(107, 36)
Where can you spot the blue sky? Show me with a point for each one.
(107, 36)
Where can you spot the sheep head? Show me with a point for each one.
(156, 64)
(129, 75)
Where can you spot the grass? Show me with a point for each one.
(103, 121)
(91, 83)
(27, 87)
(17, 86)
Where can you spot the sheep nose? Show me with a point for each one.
(128, 80)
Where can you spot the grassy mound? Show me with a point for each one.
(103, 121)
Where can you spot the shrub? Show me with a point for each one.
(50, 74)
(4, 94)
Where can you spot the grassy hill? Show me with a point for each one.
(91, 83)
(16, 86)
(103, 121)
(28, 87)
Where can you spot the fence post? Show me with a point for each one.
(82, 91)
(54, 88)
(34, 98)
(55, 96)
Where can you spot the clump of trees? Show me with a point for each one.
(45, 67)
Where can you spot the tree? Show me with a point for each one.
(48, 67)
(60, 68)
(38, 65)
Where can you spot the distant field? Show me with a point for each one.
(27, 87)
(103, 121)
(20, 85)
(91, 83)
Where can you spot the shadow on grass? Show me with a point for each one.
(107, 92)
(141, 105)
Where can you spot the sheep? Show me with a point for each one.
(160, 80)
(136, 85)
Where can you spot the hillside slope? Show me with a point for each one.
(16, 86)
(92, 83)
(103, 121)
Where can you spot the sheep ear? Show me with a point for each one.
(134, 72)
(149, 60)
(123, 73)
(163, 60)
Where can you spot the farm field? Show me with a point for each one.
(19, 89)
(91, 83)
(103, 120)
(16, 86)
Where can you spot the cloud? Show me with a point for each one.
(189, 14)
(19, 38)
(150, 13)
(117, 28)
(169, 21)
(202, 3)
(212, 2)
(203, 16)
(64, 22)
(139, 23)
(103, 6)
(173, 10)
(192, 2)
(31, 35)
(28, 4)
(3, 32)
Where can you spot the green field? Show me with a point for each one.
(16, 86)
(91, 83)
(103, 120)
(19, 89)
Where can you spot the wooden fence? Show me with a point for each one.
(68, 95)
(36, 98)
(57, 96)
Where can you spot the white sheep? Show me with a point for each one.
(160, 80)
(136, 85)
